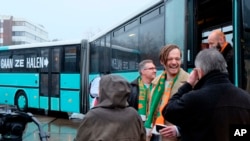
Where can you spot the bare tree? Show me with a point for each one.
(90, 33)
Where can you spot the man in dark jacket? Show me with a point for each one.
(217, 39)
(208, 104)
(111, 119)
(141, 85)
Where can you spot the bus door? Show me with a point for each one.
(74, 78)
(84, 71)
(241, 22)
(50, 80)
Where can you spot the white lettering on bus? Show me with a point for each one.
(6, 63)
(31, 62)
(19, 63)
(36, 62)
(46, 62)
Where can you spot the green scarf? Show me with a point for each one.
(156, 97)
(142, 100)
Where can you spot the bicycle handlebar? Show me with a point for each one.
(42, 134)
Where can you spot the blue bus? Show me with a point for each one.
(52, 76)
(56, 75)
(186, 23)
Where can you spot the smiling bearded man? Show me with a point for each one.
(164, 86)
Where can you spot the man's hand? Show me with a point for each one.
(168, 131)
(193, 77)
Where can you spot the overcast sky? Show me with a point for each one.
(70, 19)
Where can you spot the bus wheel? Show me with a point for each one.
(21, 101)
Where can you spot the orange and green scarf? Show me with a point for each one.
(143, 97)
(160, 95)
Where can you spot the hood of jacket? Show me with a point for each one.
(113, 92)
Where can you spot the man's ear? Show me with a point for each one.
(163, 65)
(200, 73)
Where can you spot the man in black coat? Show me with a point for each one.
(208, 104)
(141, 85)
(217, 39)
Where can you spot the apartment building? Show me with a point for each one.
(15, 31)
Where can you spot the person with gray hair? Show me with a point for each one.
(141, 86)
(209, 64)
(208, 105)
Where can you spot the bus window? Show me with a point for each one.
(70, 59)
(151, 38)
(56, 60)
(55, 85)
(44, 54)
(44, 84)
(123, 59)
(94, 57)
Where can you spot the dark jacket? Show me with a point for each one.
(206, 112)
(133, 97)
(228, 55)
(112, 119)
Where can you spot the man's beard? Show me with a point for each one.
(218, 46)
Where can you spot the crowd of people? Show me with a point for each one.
(175, 105)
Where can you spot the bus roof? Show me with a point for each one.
(42, 44)
(131, 16)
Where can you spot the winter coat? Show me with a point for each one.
(112, 119)
(134, 95)
(182, 77)
(206, 112)
(228, 55)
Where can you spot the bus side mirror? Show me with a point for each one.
(245, 15)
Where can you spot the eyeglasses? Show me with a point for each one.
(150, 68)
